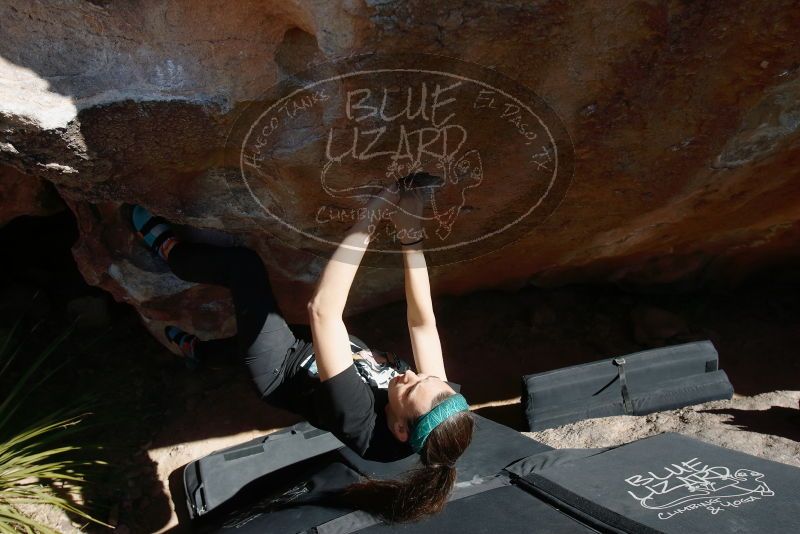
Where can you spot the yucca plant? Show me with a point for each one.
(38, 465)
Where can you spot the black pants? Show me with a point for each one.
(263, 337)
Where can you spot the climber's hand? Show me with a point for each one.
(407, 218)
(418, 180)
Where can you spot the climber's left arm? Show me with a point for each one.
(425, 342)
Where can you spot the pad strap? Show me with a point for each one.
(623, 384)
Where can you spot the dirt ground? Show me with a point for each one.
(766, 425)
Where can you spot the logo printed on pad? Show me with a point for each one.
(693, 485)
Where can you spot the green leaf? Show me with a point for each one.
(34, 458)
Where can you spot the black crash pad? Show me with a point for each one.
(507, 510)
(658, 379)
(674, 484)
(216, 478)
(252, 475)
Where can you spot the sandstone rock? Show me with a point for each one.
(543, 316)
(653, 327)
(683, 118)
(25, 195)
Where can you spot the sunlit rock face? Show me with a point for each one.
(676, 124)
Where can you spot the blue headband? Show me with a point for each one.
(425, 424)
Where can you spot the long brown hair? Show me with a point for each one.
(423, 491)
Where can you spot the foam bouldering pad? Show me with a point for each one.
(261, 473)
(216, 478)
(635, 384)
(506, 509)
(674, 484)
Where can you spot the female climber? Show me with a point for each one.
(370, 400)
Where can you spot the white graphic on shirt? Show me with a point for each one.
(693, 485)
(378, 368)
(375, 367)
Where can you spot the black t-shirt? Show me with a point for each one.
(355, 413)
(345, 405)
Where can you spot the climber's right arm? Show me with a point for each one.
(326, 306)
(330, 338)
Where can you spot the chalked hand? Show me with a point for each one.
(418, 180)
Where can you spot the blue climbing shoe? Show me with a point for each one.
(154, 230)
(186, 344)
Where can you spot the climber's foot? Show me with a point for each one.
(154, 230)
(185, 342)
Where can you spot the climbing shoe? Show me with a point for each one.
(154, 230)
(185, 342)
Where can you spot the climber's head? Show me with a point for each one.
(410, 396)
(436, 420)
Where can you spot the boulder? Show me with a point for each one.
(677, 124)
(656, 327)
(21, 194)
